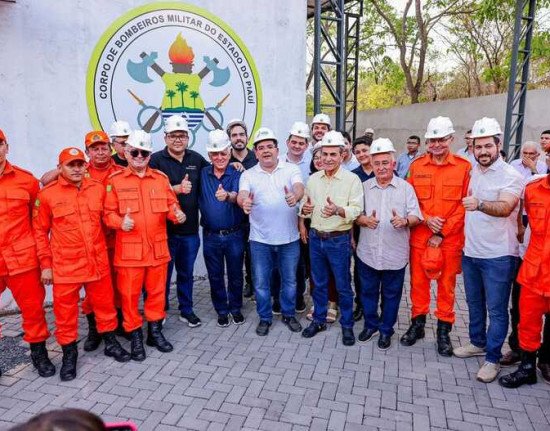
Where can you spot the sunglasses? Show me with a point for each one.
(142, 153)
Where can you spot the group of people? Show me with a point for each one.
(119, 224)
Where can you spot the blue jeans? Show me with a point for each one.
(488, 283)
(326, 255)
(184, 250)
(264, 258)
(220, 251)
(389, 283)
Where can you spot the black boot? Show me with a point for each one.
(113, 348)
(444, 346)
(120, 327)
(155, 338)
(40, 359)
(525, 374)
(94, 339)
(138, 351)
(68, 367)
(415, 331)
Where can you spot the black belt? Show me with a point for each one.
(224, 232)
(327, 235)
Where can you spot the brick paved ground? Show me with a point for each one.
(228, 378)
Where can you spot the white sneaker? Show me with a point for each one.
(468, 351)
(488, 372)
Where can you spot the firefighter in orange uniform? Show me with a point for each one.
(73, 253)
(440, 181)
(534, 278)
(19, 268)
(138, 203)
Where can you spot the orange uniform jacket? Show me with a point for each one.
(151, 201)
(76, 249)
(440, 189)
(535, 270)
(18, 191)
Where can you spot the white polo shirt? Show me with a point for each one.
(488, 237)
(303, 164)
(272, 221)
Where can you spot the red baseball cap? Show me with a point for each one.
(432, 262)
(2, 136)
(70, 154)
(96, 136)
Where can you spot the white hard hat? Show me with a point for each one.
(217, 141)
(485, 127)
(333, 139)
(120, 128)
(381, 145)
(175, 123)
(236, 122)
(264, 134)
(140, 139)
(300, 129)
(369, 130)
(321, 119)
(439, 127)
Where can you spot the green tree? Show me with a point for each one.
(194, 96)
(170, 94)
(182, 88)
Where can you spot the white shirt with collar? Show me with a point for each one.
(525, 171)
(351, 164)
(303, 164)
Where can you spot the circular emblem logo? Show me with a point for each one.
(73, 152)
(171, 58)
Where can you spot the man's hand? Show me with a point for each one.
(308, 207)
(46, 277)
(329, 209)
(186, 185)
(398, 222)
(221, 194)
(435, 224)
(303, 232)
(531, 164)
(470, 202)
(238, 166)
(290, 197)
(180, 215)
(521, 233)
(370, 222)
(435, 241)
(127, 222)
(248, 203)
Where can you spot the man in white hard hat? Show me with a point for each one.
(440, 180)
(182, 166)
(120, 130)
(242, 157)
(391, 209)
(491, 252)
(369, 132)
(269, 192)
(333, 200)
(223, 235)
(319, 126)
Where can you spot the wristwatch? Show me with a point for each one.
(480, 205)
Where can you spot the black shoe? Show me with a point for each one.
(263, 328)
(313, 329)
(113, 349)
(276, 308)
(367, 335)
(444, 346)
(238, 318)
(300, 304)
(119, 331)
(136, 345)
(348, 337)
(544, 371)
(40, 359)
(94, 339)
(415, 331)
(68, 367)
(510, 359)
(525, 374)
(223, 320)
(357, 314)
(191, 319)
(155, 337)
(248, 291)
(292, 324)
(384, 342)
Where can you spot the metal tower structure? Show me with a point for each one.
(519, 77)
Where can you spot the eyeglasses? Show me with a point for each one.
(175, 138)
(142, 153)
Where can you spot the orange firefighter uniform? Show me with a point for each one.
(141, 254)
(440, 189)
(534, 275)
(76, 251)
(19, 267)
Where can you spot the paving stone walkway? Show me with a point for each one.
(231, 379)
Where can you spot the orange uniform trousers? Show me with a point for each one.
(420, 285)
(130, 281)
(65, 307)
(87, 306)
(532, 308)
(29, 293)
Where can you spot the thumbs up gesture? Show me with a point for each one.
(470, 202)
(329, 209)
(186, 185)
(308, 207)
(370, 222)
(398, 222)
(290, 197)
(180, 215)
(127, 222)
(221, 194)
(248, 202)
